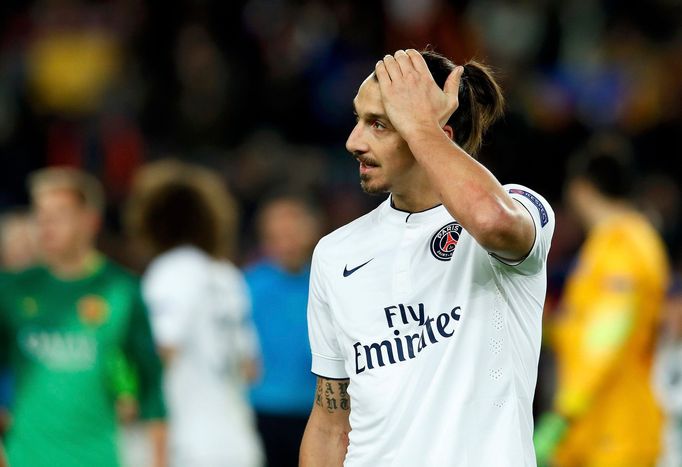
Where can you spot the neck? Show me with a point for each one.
(603, 209)
(416, 197)
(76, 265)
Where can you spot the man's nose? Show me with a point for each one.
(355, 143)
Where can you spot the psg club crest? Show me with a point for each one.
(444, 241)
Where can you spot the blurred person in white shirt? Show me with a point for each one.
(668, 377)
(200, 314)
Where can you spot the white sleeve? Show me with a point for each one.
(169, 293)
(667, 376)
(247, 343)
(543, 219)
(327, 358)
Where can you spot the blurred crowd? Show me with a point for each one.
(255, 97)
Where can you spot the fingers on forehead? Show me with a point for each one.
(392, 66)
(404, 61)
(417, 61)
(382, 73)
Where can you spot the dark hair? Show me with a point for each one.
(174, 203)
(177, 214)
(480, 99)
(607, 163)
(300, 196)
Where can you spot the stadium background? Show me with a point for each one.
(261, 90)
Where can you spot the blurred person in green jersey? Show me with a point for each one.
(62, 324)
(18, 251)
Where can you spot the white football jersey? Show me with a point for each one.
(440, 339)
(200, 308)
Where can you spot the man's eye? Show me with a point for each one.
(377, 124)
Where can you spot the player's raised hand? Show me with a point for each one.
(411, 97)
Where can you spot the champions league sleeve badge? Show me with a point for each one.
(444, 241)
(544, 217)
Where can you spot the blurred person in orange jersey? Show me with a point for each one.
(61, 322)
(200, 312)
(605, 413)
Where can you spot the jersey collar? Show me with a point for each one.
(395, 215)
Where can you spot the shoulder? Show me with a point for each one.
(258, 270)
(347, 235)
(181, 261)
(227, 271)
(633, 237)
(523, 193)
(261, 275)
(25, 275)
(178, 269)
(14, 282)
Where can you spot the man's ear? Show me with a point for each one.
(449, 131)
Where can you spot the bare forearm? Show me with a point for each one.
(325, 440)
(323, 447)
(470, 193)
(3, 460)
(158, 436)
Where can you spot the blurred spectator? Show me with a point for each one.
(604, 410)
(668, 378)
(289, 226)
(79, 79)
(62, 323)
(200, 313)
(18, 249)
(17, 252)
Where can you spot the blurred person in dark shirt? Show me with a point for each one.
(289, 227)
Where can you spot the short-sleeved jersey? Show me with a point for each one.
(200, 309)
(604, 342)
(61, 339)
(439, 338)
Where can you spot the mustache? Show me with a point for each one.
(366, 160)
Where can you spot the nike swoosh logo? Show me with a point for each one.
(347, 272)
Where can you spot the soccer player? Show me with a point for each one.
(200, 314)
(605, 412)
(61, 323)
(425, 314)
(17, 252)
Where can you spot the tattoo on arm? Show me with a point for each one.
(332, 395)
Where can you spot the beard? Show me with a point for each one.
(372, 189)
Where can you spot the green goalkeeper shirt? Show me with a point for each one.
(61, 339)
